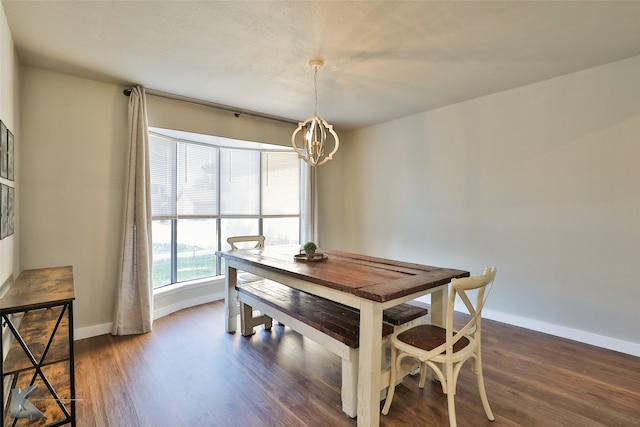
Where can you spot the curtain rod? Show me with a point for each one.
(236, 111)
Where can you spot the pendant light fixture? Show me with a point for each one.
(312, 145)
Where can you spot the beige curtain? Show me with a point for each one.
(309, 195)
(134, 295)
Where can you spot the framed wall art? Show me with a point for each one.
(3, 149)
(9, 155)
(4, 205)
(10, 210)
(7, 193)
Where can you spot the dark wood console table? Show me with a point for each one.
(38, 311)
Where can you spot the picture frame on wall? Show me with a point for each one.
(9, 154)
(4, 218)
(10, 210)
(3, 149)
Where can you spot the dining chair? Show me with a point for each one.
(444, 349)
(258, 240)
(246, 242)
(247, 319)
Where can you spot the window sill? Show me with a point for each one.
(171, 298)
(190, 284)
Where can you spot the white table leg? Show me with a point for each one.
(439, 302)
(349, 391)
(439, 305)
(369, 365)
(230, 299)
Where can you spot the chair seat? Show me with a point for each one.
(428, 337)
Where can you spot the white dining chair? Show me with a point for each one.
(254, 242)
(246, 242)
(444, 349)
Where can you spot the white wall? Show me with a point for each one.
(10, 115)
(541, 181)
(72, 183)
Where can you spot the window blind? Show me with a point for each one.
(197, 180)
(162, 172)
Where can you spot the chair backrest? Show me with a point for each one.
(258, 240)
(460, 287)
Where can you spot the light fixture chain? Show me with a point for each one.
(315, 87)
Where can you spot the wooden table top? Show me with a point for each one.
(372, 278)
(38, 287)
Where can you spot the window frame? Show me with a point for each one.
(178, 137)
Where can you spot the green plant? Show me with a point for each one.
(310, 248)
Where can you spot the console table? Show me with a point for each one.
(38, 312)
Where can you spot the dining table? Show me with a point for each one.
(366, 283)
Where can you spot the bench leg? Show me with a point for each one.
(246, 314)
(248, 322)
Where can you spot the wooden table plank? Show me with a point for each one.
(387, 291)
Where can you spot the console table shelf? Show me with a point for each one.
(38, 311)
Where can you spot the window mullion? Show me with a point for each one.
(174, 250)
(260, 193)
(218, 213)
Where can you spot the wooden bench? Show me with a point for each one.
(334, 326)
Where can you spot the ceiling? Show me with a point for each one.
(383, 60)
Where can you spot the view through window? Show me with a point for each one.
(205, 189)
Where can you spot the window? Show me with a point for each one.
(205, 189)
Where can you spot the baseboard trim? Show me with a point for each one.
(92, 331)
(590, 338)
(614, 344)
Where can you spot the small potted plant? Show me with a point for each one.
(308, 253)
(310, 248)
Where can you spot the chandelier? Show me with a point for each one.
(312, 146)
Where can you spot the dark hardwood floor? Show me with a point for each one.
(189, 372)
